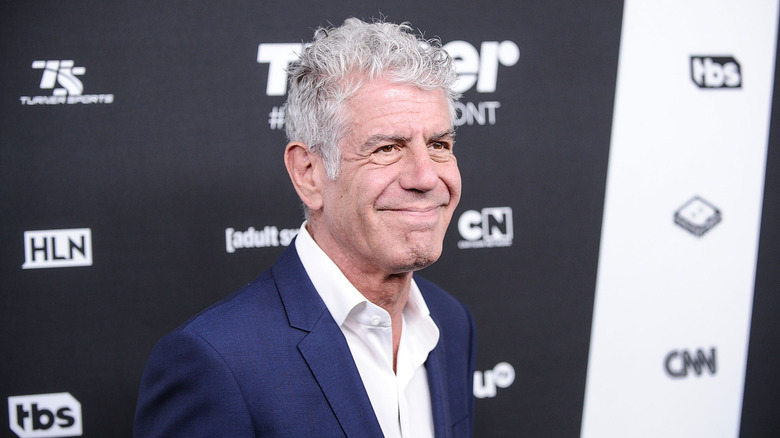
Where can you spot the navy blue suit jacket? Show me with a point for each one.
(269, 360)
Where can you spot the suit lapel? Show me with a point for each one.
(325, 349)
(435, 366)
(335, 371)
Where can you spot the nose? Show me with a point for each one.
(419, 170)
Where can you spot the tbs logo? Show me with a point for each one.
(45, 415)
(491, 227)
(716, 72)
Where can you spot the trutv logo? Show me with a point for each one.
(716, 72)
(486, 383)
(57, 248)
(45, 415)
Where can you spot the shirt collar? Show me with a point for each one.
(339, 295)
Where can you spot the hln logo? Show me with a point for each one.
(716, 72)
(57, 248)
(679, 362)
(45, 415)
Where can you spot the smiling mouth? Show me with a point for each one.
(416, 218)
(415, 210)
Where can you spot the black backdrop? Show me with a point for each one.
(185, 151)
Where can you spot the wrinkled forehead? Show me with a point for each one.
(402, 110)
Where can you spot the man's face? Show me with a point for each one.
(399, 184)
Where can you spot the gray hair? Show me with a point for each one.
(339, 61)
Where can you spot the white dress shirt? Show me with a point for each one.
(401, 400)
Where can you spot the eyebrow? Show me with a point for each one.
(438, 136)
(375, 140)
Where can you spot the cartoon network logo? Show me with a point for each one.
(266, 237)
(62, 77)
(57, 248)
(475, 68)
(45, 415)
(679, 362)
(486, 383)
(487, 228)
(716, 72)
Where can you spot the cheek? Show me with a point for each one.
(376, 187)
(451, 178)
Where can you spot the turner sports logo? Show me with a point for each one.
(45, 415)
(57, 248)
(487, 228)
(62, 77)
(476, 69)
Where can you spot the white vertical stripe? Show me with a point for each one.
(660, 288)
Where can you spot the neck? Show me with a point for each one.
(388, 291)
(392, 296)
(385, 289)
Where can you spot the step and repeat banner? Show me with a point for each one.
(617, 239)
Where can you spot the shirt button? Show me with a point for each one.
(375, 320)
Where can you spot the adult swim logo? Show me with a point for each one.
(45, 415)
(266, 237)
(62, 77)
(57, 248)
(716, 72)
(490, 227)
(476, 69)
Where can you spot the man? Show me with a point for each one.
(339, 338)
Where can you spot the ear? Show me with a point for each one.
(305, 169)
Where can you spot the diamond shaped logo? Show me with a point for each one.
(697, 216)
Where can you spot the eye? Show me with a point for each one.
(386, 149)
(441, 147)
(387, 154)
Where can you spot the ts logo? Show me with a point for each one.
(491, 227)
(45, 415)
(716, 72)
(63, 73)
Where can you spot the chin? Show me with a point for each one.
(417, 260)
(414, 265)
